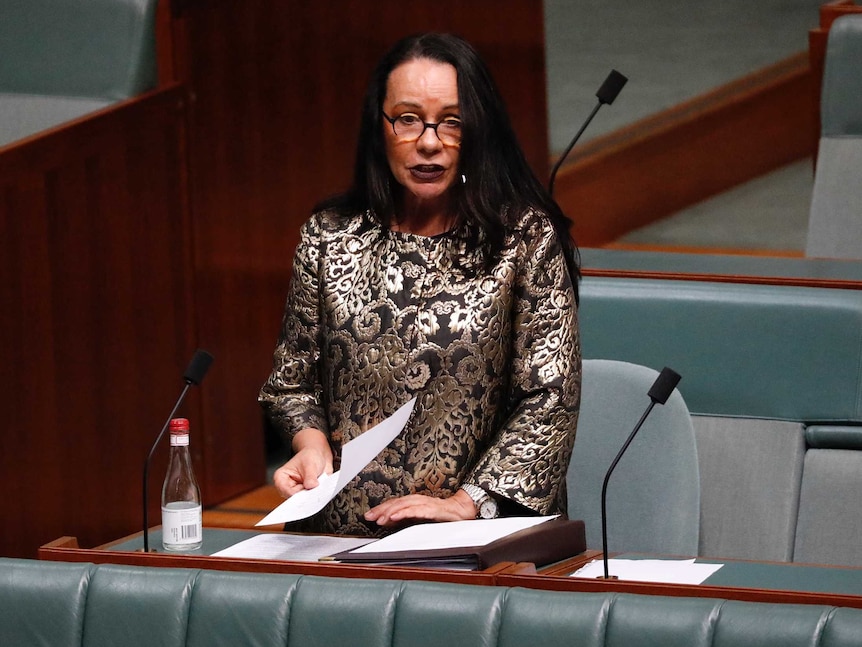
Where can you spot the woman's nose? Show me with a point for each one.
(429, 140)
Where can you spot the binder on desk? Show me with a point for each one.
(541, 544)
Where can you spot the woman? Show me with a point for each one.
(447, 273)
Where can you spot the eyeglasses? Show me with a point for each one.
(409, 127)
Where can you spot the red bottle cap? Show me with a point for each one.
(179, 426)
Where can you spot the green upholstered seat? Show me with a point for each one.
(62, 59)
(835, 220)
(101, 49)
(763, 366)
(746, 350)
(653, 496)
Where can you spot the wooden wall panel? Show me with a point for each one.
(276, 89)
(96, 324)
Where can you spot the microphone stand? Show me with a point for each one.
(660, 391)
(195, 372)
(606, 95)
(571, 145)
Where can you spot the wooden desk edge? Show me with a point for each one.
(522, 574)
(67, 549)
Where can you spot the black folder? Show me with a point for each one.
(544, 543)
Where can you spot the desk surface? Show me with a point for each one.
(214, 540)
(779, 576)
(787, 577)
(129, 550)
(735, 580)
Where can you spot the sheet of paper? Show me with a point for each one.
(355, 455)
(306, 502)
(665, 571)
(297, 548)
(451, 534)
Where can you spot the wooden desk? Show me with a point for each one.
(129, 551)
(736, 580)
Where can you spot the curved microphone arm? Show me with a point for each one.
(659, 392)
(608, 478)
(606, 95)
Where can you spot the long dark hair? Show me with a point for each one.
(499, 186)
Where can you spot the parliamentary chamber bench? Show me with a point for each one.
(55, 603)
(772, 375)
(67, 61)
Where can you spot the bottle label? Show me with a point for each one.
(182, 523)
(179, 440)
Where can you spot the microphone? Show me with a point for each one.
(195, 372)
(659, 392)
(606, 95)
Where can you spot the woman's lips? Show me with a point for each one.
(427, 172)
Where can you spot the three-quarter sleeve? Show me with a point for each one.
(292, 395)
(528, 459)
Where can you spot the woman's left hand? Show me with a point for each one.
(457, 507)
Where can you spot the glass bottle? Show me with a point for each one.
(182, 524)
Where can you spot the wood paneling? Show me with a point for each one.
(276, 91)
(96, 324)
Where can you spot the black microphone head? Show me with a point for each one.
(611, 87)
(198, 367)
(664, 385)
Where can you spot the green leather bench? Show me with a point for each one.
(834, 226)
(51, 603)
(772, 375)
(62, 59)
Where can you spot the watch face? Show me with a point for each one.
(488, 509)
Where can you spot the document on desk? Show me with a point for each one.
(296, 548)
(355, 455)
(663, 571)
(451, 534)
(474, 544)
(416, 540)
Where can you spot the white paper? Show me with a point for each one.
(297, 548)
(355, 455)
(664, 571)
(451, 534)
(305, 502)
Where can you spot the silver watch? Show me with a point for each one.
(486, 506)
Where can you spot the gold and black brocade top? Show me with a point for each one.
(492, 354)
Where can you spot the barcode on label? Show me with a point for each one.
(189, 532)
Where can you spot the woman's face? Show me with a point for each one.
(425, 167)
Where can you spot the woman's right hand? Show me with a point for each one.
(312, 457)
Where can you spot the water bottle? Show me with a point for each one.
(182, 513)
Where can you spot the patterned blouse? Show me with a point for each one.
(375, 317)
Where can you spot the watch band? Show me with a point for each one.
(486, 506)
(475, 492)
